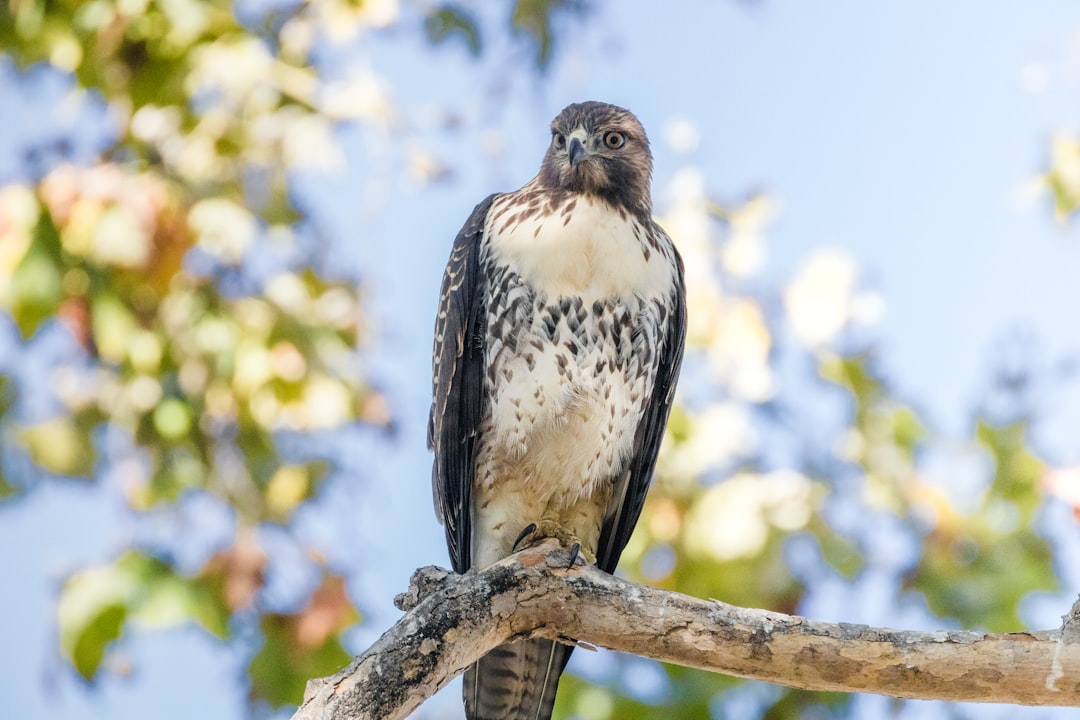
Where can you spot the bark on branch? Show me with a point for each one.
(454, 619)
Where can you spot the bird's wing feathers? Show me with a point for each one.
(629, 495)
(458, 385)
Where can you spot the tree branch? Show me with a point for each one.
(452, 620)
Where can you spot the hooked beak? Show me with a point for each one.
(575, 146)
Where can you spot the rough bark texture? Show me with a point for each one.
(454, 619)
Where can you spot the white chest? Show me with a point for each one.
(583, 249)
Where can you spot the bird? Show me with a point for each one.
(558, 342)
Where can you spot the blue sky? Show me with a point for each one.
(906, 133)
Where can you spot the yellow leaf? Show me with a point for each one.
(287, 489)
(19, 212)
(60, 447)
(172, 419)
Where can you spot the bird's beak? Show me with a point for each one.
(575, 146)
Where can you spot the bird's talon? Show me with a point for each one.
(574, 552)
(529, 530)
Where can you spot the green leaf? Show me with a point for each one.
(89, 648)
(690, 695)
(907, 429)
(175, 470)
(795, 704)
(451, 21)
(95, 605)
(36, 289)
(92, 609)
(1018, 470)
(981, 583)
(6, 399)
(303, 645)
(113, 324)
(842, 554)
(280, 670)
(61, 446)
(853, 373)
(533, 19)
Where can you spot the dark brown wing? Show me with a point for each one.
(458, 386)
(650, 431)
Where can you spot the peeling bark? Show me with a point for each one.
(454, 619)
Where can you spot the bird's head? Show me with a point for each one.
(601, 150)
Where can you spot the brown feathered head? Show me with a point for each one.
(601, 150)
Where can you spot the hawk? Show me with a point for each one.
(558, 343)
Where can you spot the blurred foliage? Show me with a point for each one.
(532, 20)
(301, 646)
(97, 602)
(445, 22)
(203, 326)
(1063, 177)
(996, 541)
(6, 489)
(205, 330)
(201, 363)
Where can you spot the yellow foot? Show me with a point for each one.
(534, 533)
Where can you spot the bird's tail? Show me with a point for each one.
(515, 681)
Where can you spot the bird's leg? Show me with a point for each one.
(535, 532)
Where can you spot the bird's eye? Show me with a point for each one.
(559, 140)
(614, 140)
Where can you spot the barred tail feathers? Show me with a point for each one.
(516, 681)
